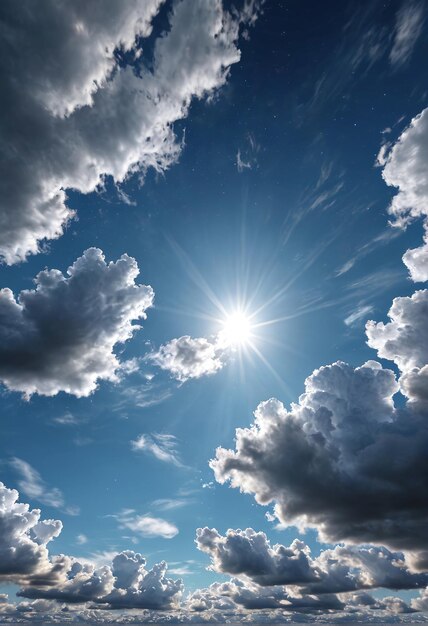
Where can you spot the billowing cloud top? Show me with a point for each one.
(71, 114)
(60, 336)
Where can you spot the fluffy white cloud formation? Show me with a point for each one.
(72, 113)
(405, 167)
(404, 340)
(188, 357)
(25, 560)
(61, 335)
(23, 539)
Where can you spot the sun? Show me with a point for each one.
(236, 329)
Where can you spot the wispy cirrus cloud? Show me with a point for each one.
(162, 446)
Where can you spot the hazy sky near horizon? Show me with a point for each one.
(213, 320)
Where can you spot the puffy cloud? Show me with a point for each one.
(405, 168)
(124, 584)
(416, 260)
(343, 460)
(61, 335)
(249, 554)
(188, 357)
(74, 111)
(163, 446)
(25, 560)
(23, 539)
(404, 340)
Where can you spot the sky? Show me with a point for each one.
(213, 317)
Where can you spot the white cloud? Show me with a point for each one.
(25, 560)
(32, 484)
(23, 539)
(358, 314)
(61, 335)
(74, 116)
(405, 168)
(147, 526)
(163, 446)
(188, 357)
(410, 21)
(404, 340)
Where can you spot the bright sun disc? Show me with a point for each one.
(236, 329)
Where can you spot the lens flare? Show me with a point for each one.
(236, 329)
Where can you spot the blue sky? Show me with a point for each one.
(267, 194)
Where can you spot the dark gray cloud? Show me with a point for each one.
(362, 471)
(249, 554)
(61, 335)
(70, 115)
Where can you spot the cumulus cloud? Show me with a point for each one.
(74, 111)
(162, 446)
(188, 357)
(404, 340)
(405, 168)
(344, 432)
(416, 260)
(25, 560)
(61, 335)
(249, 554)
(23, 539)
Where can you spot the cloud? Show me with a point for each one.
(147, 526)
(249, 554)
(344, 432)
(55, 586)
(405, 168)
(410, 21)
(32, 484)
(416, 260)
(25, 560)
(61, 335)
(246, 158)
(360, 312)
(404, 340)
(161, 445)
(82, 101)
(23, 539)
(188, 357)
